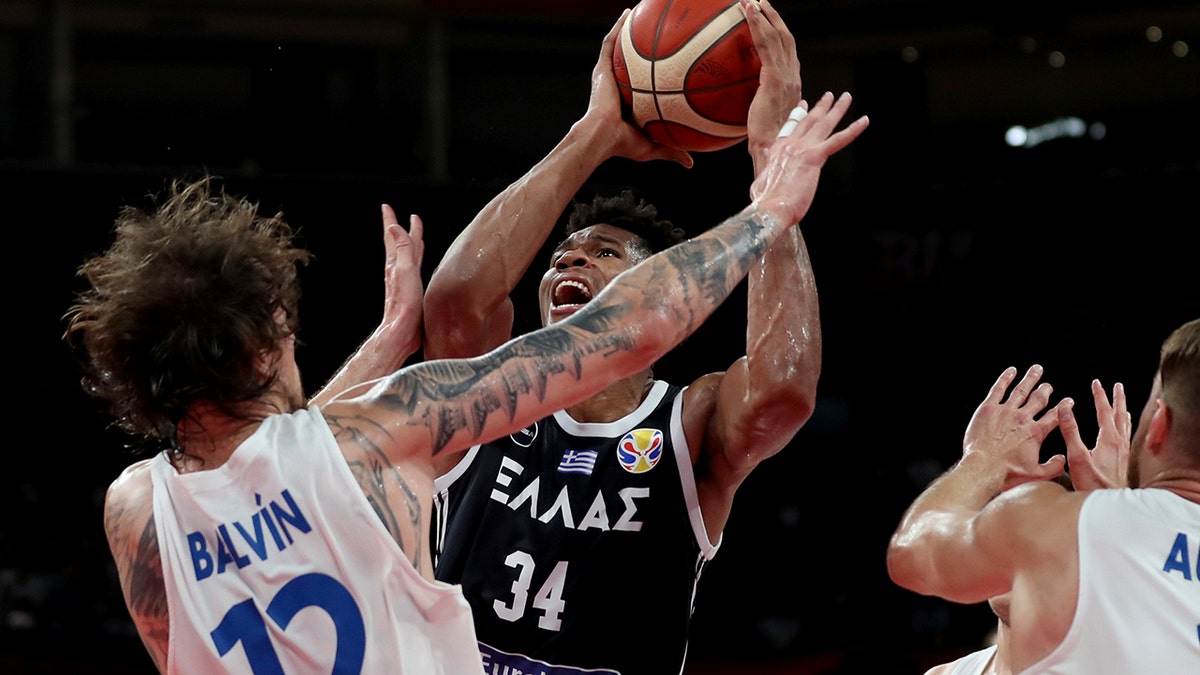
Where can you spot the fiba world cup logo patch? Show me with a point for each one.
(640, 450)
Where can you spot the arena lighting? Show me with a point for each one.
(1064, 127)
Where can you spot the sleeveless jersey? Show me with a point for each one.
(578, 545)
(975, 662)
(276, 563)
(1139, 587)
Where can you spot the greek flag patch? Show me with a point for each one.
(578, 461)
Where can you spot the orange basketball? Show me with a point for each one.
(687, 71)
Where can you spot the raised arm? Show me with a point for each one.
(398, 335)
(958, 539)
(646, 311)
(468, 310)
(768, 394)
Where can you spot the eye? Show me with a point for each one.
(608, 253)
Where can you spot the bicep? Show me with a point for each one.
(747, 424)
(133, 543)
(458, 324)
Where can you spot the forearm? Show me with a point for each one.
(383, 352)
(633, 322)
(783, 324)
(935, 536)
(489, 258)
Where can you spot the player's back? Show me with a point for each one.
(276, 562)
(1139, 587)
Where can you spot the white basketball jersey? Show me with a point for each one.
(1139, 588)
(276, 563)
(975, 662)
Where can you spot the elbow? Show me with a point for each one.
(780, 380)
(903, 568)
(786, 406)
(917, 563)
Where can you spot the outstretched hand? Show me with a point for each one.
(788, 180)
(399, 334)
(604, 109)
(1009, 432)
(1106, 465)
(404, 291)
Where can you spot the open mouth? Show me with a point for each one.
(570, 293)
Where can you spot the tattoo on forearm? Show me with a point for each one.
(686, 284)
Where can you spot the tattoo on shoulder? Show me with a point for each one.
(379, 480)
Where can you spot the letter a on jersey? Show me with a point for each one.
(640, 450)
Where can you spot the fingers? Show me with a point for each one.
(1026, 387)
(765, 31)
(1052, 468)
(416, 234)
(1068, 426)
(604, 63)
(392, 237)
(841, 139)
(1103, 408)
(772, 15)
(823, 116)
(996, 393)
(389, 216)
(795, 117)
(416, 229)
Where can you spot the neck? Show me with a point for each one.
(998, 665)
(618, 400)
(207, 436)
(1184, 482)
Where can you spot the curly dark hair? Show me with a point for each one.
(181, 306)
(627, 212)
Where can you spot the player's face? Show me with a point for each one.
(583, 265)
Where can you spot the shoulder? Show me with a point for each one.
(131, 486)
(1033, 522)
(129, 504)
(701, 395)
(1033, 502)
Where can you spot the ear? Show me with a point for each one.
(1160, 424)
(266, 364)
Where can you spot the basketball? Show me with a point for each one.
(687, 71)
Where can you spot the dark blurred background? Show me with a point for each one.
(943, 254)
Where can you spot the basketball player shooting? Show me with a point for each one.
(580, 540)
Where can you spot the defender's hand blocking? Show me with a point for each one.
(404, 291)
(1106, 465)
(1008, 432)
(788, 181)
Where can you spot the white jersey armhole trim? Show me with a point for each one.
(687, 476)
(444, 481)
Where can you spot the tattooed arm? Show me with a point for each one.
(133, 541)
(449, 405)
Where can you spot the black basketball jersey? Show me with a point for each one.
(578, 545)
